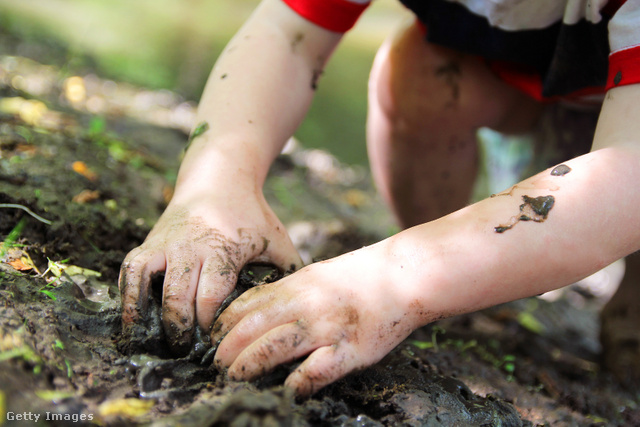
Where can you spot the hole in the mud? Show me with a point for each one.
(157, 283)
(147, 335)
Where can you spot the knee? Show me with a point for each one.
(419, 86)
(395, 88)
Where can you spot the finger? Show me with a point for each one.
(281, 253)
(322, 367)
(283, 344)
(247, 328)
(217, 281)
(248, 309)
(179, 296)
(135, 281)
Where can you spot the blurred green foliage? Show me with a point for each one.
(173, 44)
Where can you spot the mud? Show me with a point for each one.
(450, 73)
(560, 170)
(200, 129)
(534, 209)
(62, 350)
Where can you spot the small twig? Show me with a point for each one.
(27, 210)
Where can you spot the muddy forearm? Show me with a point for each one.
(257, 95)
(470, 260)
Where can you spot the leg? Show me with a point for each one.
(426, 103)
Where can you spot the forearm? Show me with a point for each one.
(462, 262)
(256, 96)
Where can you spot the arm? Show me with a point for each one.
(350, 311)
(256, 96)
(593, 222)
(218, 220)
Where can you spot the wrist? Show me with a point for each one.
(208, 169)
(416, 267)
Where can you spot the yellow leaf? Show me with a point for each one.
(55, 268)
(126, 407)
(54, 395)
(73, 270)
(29, 110)
(3, 407)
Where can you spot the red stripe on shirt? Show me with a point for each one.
(624, 67)
(333, 15)
(612, 7)
(528, 81)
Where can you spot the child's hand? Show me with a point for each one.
(201, 244)
(345, 313)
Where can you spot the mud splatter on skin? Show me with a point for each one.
(533, 209)
(560, 170)
(315, 77)
(200, 129)
(450, 73)
(297, 39)
(543, 182)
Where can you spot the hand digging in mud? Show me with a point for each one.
(451, 258)
(201, 265)
(338, 312)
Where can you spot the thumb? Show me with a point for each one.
(280, 252)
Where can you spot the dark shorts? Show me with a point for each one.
(560, 61)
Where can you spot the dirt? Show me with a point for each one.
(102, 182)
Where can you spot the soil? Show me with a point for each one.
(97, 184)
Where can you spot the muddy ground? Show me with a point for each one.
(79, 189)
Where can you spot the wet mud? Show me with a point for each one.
(63, 351)
(560, 170)
(534, 209)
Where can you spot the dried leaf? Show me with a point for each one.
(82, 169)
(20, 264)
(86, 196)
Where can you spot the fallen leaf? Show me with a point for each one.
(86, 196)
(528, 321)
(3, 407)
(73, 270)
(20, 265)
(82, 169)
(355, 198)
(54, 396)
(129, 407)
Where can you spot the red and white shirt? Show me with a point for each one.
(561, 25)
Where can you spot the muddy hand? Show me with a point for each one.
(344, 314)
(201, 253)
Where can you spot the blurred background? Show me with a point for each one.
(172, 45)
